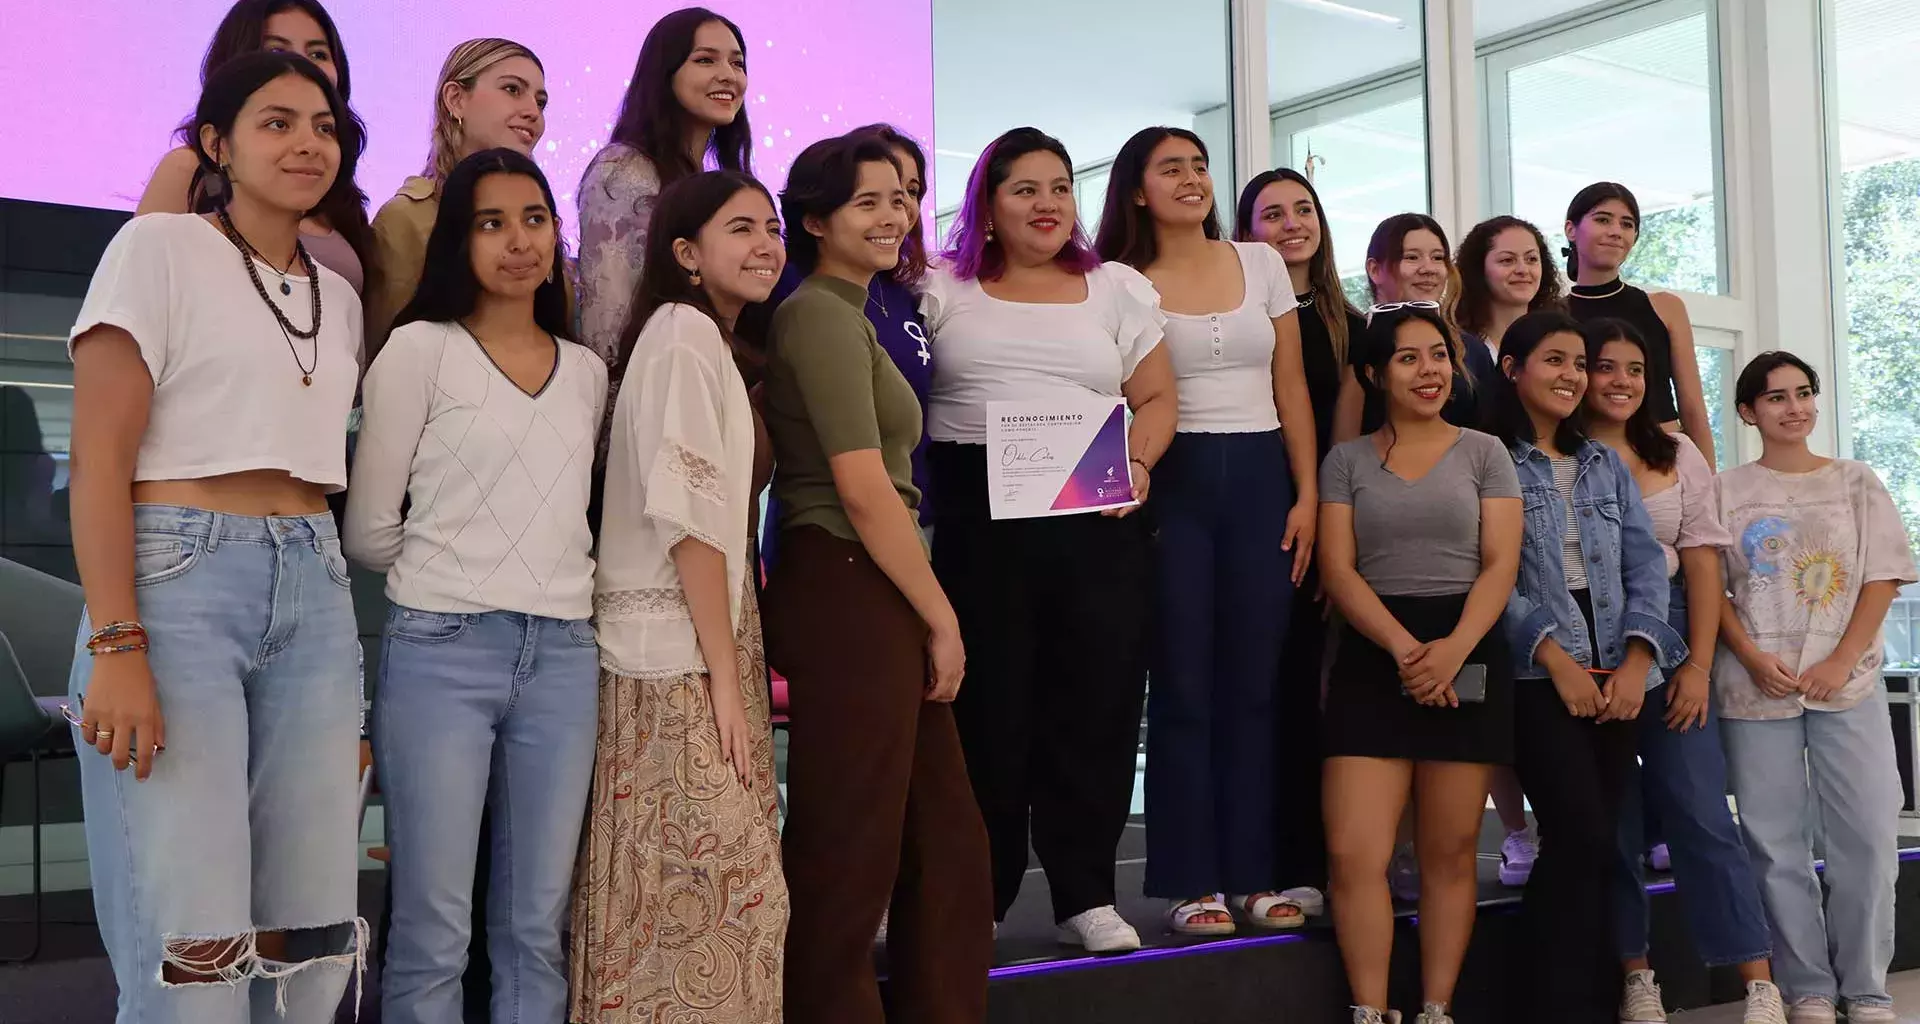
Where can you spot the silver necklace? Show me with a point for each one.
(1619, 285)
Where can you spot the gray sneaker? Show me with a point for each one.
(1871, 1013)
(1433, 1013)
(1369, 1015)
(1640, 1001)
(1811, 1010)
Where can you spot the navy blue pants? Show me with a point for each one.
(1224, 590)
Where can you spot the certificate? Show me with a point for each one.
(1057, 456)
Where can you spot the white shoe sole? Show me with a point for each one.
(1069, 937)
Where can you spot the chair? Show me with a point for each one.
(38, 616)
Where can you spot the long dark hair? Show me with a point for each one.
(448, 288)
(1474, 311)
(243, 31)
(1655, 447)
(823, 178)
(1583, 203)
(1507, 419)
(1126, 228)
(227, 92)
(651, 119)
(1329, 296)
(971, 252)
(913, 248)
(1376, 344)
(683, 209)
(1389, 243)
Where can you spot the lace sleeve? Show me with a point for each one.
(676, 426)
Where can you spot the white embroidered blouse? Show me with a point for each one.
(679, 465)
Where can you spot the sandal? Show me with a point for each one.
(1259, 907)
(1180, 917)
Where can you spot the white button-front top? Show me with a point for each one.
(1223, 362)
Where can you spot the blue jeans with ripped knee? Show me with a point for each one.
(249, 823)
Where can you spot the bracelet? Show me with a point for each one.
(115, 634)
(1142, 462)
(1690, 663)
(137, 645)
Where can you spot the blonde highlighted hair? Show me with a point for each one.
(463, 67)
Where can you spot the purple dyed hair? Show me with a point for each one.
(970, 254)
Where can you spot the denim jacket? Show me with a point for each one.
(1626, 569)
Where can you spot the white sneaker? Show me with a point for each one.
(1369, 1015)
(1313, 902)
(1100, 930)
(1811, 1010)
(1403, 874)
(1640, 1002)
(1433, 1013)
(1764, 1005)
(1871, 1013)
(1517, 855)
(880, 938)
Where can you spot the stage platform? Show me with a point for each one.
(1290, 977)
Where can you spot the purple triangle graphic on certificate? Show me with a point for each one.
(1103, 477)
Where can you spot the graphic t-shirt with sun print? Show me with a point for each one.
(1803, 546)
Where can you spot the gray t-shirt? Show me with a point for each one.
(1419, 538)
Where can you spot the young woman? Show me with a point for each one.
(491, 94)
(891, 304)
(1282, 209)
(680, 906)
(336, 233)
(1603, 223)
(1408, 262)
(1818, 554)
(867, 640)
(1587, 626)
(1419, 543)
(200, 474)
(1507, 274)
(684, 105)
(1054, 610)
(1683, 768)
(1227, 559)
(482, 416)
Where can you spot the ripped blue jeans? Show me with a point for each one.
(236, 862)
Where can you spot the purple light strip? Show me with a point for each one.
(1169, 952)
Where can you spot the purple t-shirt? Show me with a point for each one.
(893, 310)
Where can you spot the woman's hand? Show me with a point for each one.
(120, 712)
(1825, 680)
(1625, 692)
(1687, 697)
(730, 717)
(1301, 523)
(1578, 691)
(1773, 677)
(1428, 671)
(1142, 481)
(946, 664)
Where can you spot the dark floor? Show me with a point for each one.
(71, 982)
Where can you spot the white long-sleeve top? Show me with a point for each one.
(498, 479)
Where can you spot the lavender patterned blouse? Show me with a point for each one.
(617, 194)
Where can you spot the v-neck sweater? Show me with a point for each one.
(495, 479)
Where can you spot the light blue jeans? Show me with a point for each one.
(497, 710)
(250, 820)
(1830, 774)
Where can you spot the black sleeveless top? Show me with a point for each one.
(1321, 368)
(1623, 301)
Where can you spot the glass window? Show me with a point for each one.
(1876, 133)
(36, 417)
(1714, 350)
(1133, 67)
(1596, 96)
(1347, 88)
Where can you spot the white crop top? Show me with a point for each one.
(991, 350)
(1223, 362)
(227, 395)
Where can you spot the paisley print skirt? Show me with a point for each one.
(679, 905)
